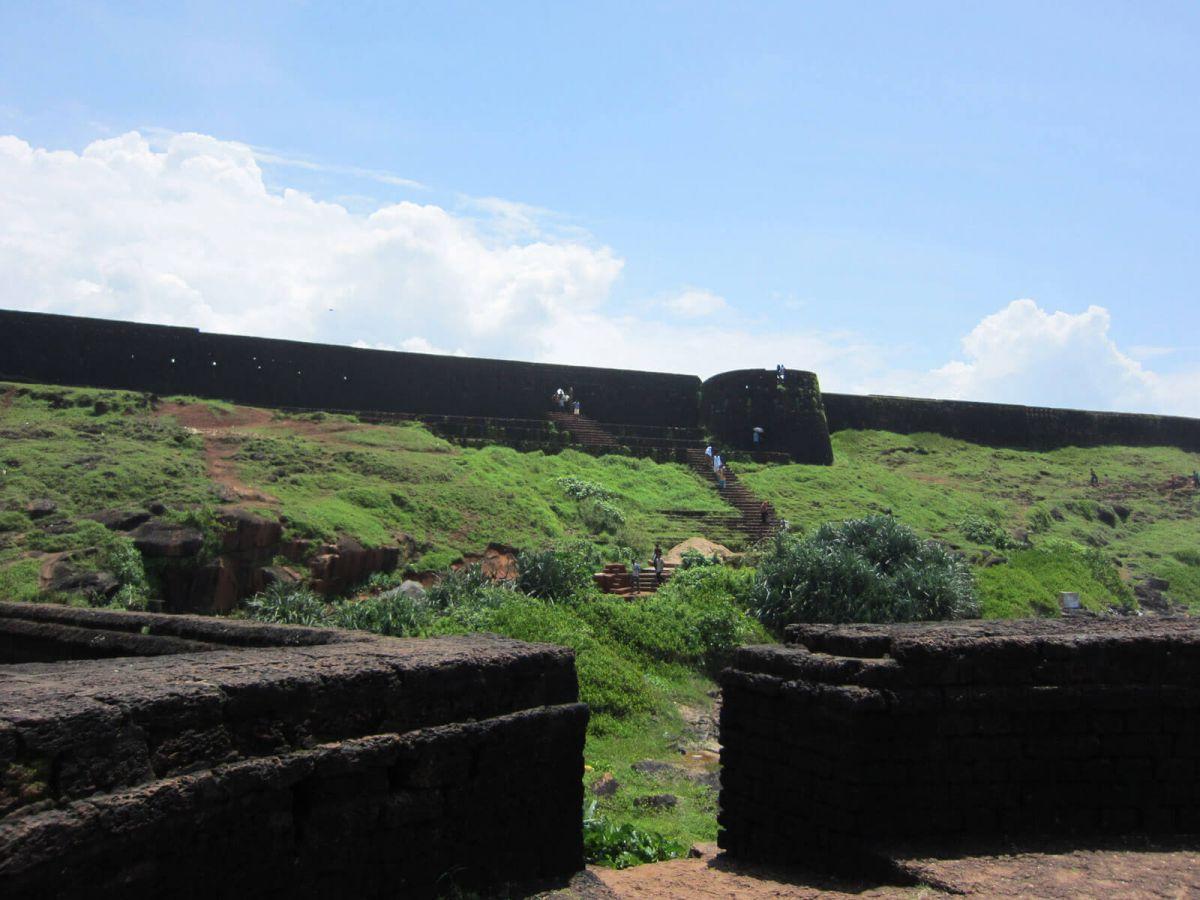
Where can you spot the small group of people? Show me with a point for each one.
(562, 400)
(657, 564)
(720, 470)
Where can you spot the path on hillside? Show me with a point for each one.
(219, 431)
(749, 520)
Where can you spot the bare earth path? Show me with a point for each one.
(1140, 874)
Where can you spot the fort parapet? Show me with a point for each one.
(507, 402)
(148, 756)
(848, 741)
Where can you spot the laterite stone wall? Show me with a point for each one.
(790, 413)
(152, 756)
(848, 740)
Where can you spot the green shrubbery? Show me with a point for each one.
(622, 846)
(984, 531)
(556, 574)
(860, 570)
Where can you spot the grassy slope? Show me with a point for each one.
(335, 476)
(934, 483)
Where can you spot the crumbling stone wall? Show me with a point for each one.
(847, 740)
(207, 758)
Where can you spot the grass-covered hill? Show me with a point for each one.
(1029, 523)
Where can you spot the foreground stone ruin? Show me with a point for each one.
(148, 755)
(849, 742)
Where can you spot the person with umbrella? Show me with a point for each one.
(758, 433)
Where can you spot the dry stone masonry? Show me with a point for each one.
(148, 755)
(847, 741)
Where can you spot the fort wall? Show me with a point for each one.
(155, 756)
(1009, 425)
(263, 372)
(850, 740)
(476, 400)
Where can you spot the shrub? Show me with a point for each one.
(287, 605)
(861, 570)
(622, 846)
(693, 558)
(1040, 520)
(985, 532)
(458, 587)
(391, 613)
(600, 516)
(554, 575)
(578, 489)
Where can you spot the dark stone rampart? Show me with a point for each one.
(1009, 425)
(847, 741)
(166, 360)
(274, 761)
(790, 413)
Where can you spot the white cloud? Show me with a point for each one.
(189, 234)
(695, 303)
(184, 231)
(1024, 354)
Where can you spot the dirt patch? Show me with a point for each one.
(6, 398)
(1144, 872)
(712, 875)
(705, 548)
(221, 436)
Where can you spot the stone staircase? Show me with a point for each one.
(617, 579)
(587, 433)
(749, 520)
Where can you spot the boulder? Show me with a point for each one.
(120, 519)
(606, 785)
(156, 538)
(40, 508)
(1107, 516)
(338, 567)
(62, 576)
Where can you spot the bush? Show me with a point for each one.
(578, 489)
(391, 613)
(600, 516)
(458, 587)
(695, 619)
(287, 605)
(693, 558)
(986, 532)
(861, 570)
(554, 575)
(622, 846)
(1040, 520)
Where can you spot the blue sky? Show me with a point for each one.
(867, 190)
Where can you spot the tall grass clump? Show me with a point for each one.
(861, 570)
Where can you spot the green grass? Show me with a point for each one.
(937, 485)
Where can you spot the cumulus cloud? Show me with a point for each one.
(189, 234)
(183, 230)
(695, 303)
(1025, 354)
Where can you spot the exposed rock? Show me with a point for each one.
(1158, 584)
(62, 575)
(40, 508)
(269, 575)
(1122, 511)
(413, 590)
(1107, 516)
(120, 519)
(497, 562)
(657, 802)
(156, 538)
(214, 587)
(157, 508)
(606, 785)
(337, 567)
(245, 531)
(1057, 515)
